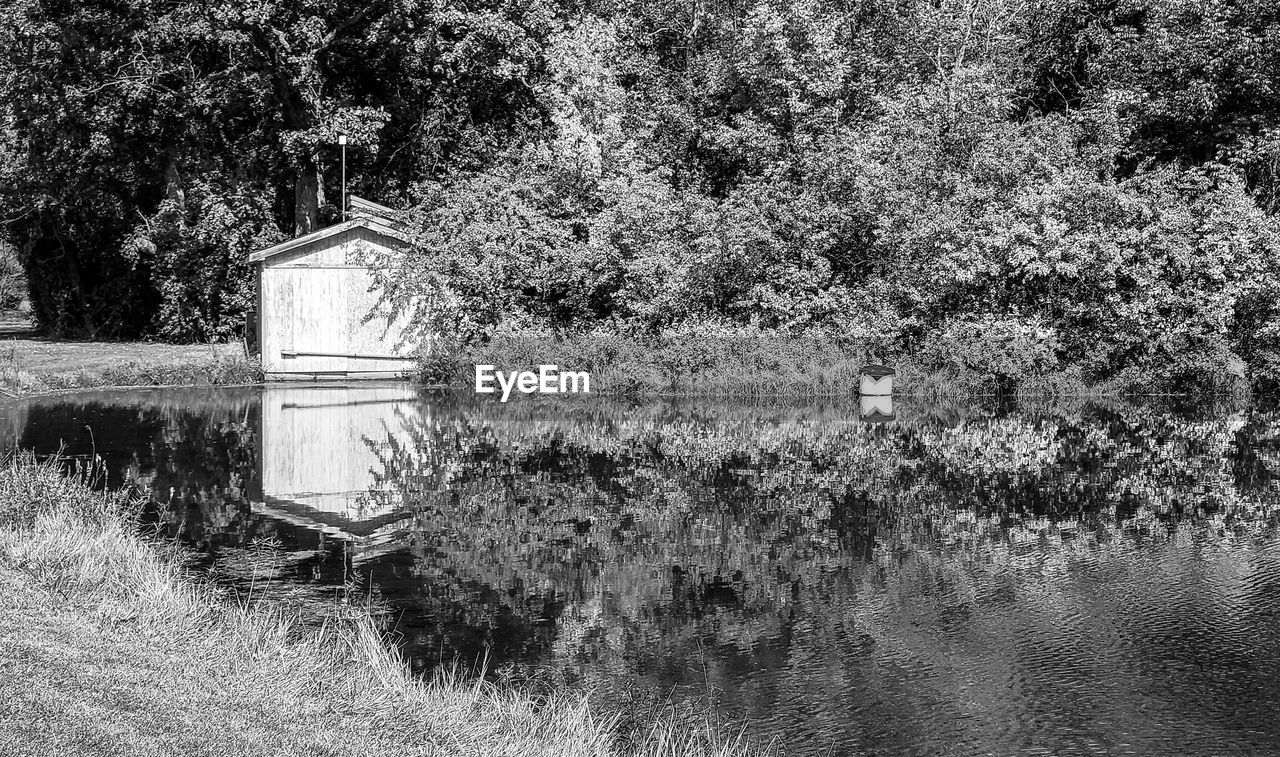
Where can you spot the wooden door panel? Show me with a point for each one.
(317, 314)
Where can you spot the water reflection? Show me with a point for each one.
(953, 580)
(320, 459)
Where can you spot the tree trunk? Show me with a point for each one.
(306, 200)
(77, 285)
(320, 198)
(173, 189)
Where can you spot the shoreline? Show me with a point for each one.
(36, 367)
(671, 395)
(457, 391)
(829, 374)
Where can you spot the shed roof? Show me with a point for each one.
(878, 371)
(368, 215)
(361, 206)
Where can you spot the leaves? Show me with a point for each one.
(915, 173)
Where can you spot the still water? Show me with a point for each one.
(1065, 580)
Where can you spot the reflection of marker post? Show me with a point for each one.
(876, 388)
(876, 408)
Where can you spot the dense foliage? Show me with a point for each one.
(1085, 186)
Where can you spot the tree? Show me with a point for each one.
(1201, 81)
(117, 111)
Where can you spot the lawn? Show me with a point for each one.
(66, 357)
(33, 365)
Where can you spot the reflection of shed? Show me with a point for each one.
(327, 457)
(876, 408)
(315, 299)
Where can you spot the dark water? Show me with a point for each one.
(975, 580)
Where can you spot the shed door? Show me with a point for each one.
(315, 319)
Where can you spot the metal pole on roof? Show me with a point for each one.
(342, 140)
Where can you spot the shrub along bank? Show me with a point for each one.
(975, 358)
(108, 647)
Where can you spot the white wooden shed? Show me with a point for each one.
(315, 295)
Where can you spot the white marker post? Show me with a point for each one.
(342, 140)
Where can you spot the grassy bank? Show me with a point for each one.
(720, 361)
(107, 647)
(30, 366)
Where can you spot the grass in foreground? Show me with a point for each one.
(107, 647)
(38, 366)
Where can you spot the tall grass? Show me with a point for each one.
(165, 664)
(704, 361)
(722, 361)
(717, 360)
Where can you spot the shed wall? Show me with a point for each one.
(314, 304)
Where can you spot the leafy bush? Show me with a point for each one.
(200, 250)
(13, 279)
(1005, 349)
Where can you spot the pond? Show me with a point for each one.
(980, 579)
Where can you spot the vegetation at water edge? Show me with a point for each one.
(115, 644)
(745, 361)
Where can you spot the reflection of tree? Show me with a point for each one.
(191, 451)
(640, 534)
